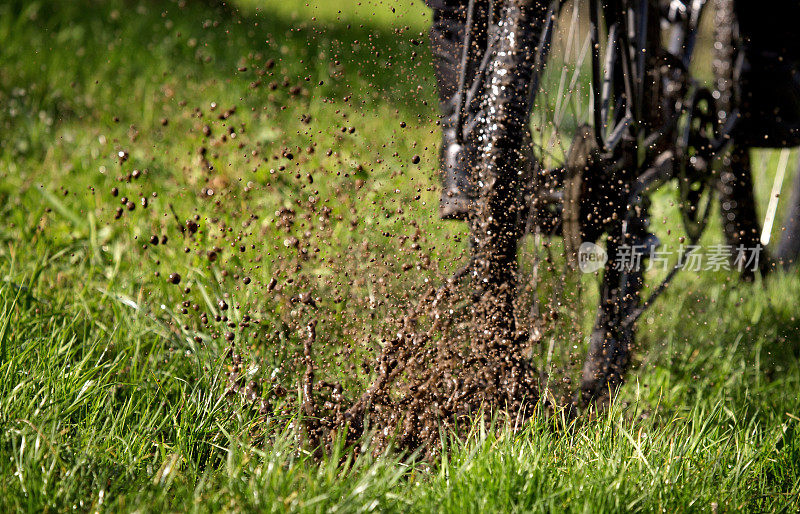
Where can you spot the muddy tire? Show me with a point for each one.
(737, 198)
(500, 165)
(612, 338)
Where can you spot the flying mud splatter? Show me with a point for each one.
(309, 261)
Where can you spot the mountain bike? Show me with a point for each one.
(623, 120)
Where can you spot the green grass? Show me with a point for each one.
(113, 398)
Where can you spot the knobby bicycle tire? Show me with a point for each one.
(498, 141)
(737, 201)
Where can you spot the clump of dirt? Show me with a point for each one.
(432, 378)
(428, 385)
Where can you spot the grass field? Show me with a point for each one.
(113, 378)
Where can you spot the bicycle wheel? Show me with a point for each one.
(597, 162)
(569, 193)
